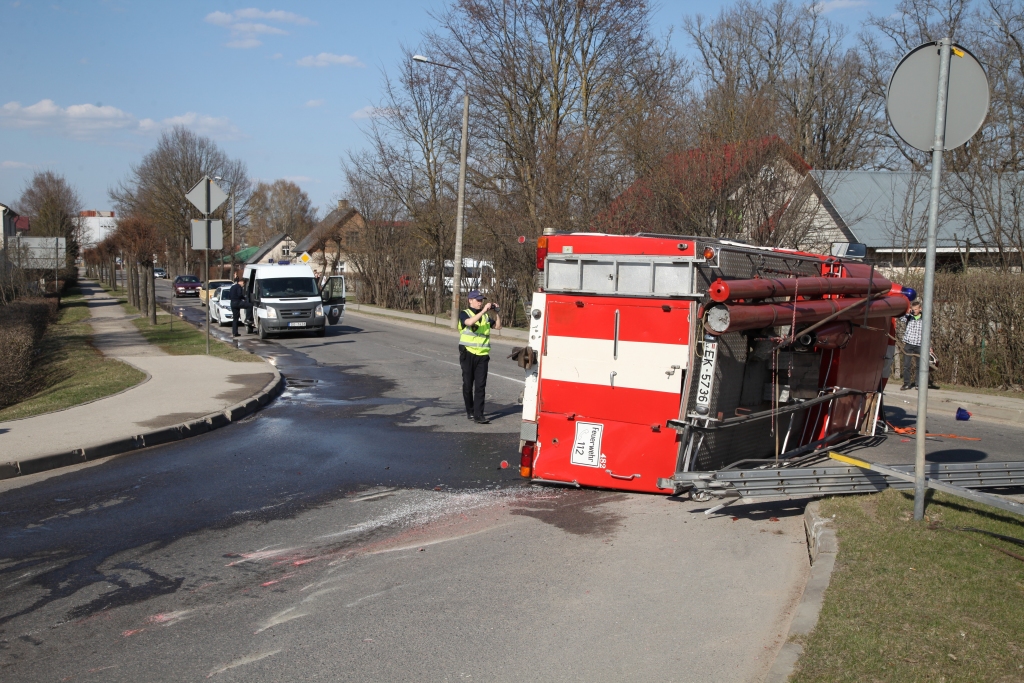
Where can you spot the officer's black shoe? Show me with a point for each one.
(933, 385)
(906, 386)
(470, 417)
(482, 421)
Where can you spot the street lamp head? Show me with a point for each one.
(420, 58)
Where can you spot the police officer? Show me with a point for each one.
(236, 295)
(475, 353)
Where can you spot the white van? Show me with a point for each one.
(288, 299)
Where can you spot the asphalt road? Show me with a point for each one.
(360, 528)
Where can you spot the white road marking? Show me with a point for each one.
(241, 662)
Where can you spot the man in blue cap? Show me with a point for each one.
(475, 352)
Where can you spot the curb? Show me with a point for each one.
(822, 547)
(178, 432)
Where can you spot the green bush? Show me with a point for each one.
(23, 323)
(978, 328)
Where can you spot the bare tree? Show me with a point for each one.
(279, 207)
(53, 205)
(784, 69)
(412, 158)
(155, 189)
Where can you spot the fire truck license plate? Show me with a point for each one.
(586, 449)
(707, 374)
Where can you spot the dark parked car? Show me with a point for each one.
(187, 285)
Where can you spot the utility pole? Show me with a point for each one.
(460, 211)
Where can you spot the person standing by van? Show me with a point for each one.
(236, 295)
(475, 353)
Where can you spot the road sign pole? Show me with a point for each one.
(929, 279)
(207, 254)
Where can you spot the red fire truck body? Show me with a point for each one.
(661, 354)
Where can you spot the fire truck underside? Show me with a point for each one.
(662, 359)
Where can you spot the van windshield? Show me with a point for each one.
(280, 287)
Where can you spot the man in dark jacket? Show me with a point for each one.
(236, 295)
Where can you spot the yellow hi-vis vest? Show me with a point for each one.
(479, 342)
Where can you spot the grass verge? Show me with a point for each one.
(915, 601)
(69, 370)
(178, 337)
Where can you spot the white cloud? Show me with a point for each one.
(276, 55)
(315, 103)
(832, 5)
(327, 59)
(369, 113)
(300, 179)
(220, 127)
(244, 31)
(14, 164)
(88, 121)
(77, 120)
(273, 15)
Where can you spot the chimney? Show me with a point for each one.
(343, 205)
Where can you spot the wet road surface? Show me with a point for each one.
(360, 528)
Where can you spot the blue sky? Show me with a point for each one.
(88, 85)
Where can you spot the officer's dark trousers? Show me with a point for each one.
(474, 381)
(235, 315)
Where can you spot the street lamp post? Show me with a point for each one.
(460, 211)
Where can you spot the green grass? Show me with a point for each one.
(179, 338)
(923, 601)
(69, 370)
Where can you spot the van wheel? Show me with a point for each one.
(261, 330)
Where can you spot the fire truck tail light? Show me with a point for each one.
(709, 254)
(542, 252)
(526, 461)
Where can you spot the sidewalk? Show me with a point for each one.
(439, 321)
(984, 408)
(183, 396)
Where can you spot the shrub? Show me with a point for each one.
(23, 323)
(978, 328)
(16, 350)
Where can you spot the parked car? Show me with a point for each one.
(186, 285)
(159, 272)
(204, 294)
(220, 306)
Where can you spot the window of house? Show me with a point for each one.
(286, 250)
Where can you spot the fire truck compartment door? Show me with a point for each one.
(618, 359)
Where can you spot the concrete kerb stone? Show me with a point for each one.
(157, 437)
(822, 547)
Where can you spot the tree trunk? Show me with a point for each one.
(142, 275)
(151, 286)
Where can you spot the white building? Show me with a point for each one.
(96, 226)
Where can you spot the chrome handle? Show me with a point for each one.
(611, 377)
(615, 344)
(622, 476)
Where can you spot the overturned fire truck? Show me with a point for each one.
(655, 357)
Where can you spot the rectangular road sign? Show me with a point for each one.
(206, 196)
(38, 252)
(199, 235)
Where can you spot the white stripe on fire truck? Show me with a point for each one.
(638, 365)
